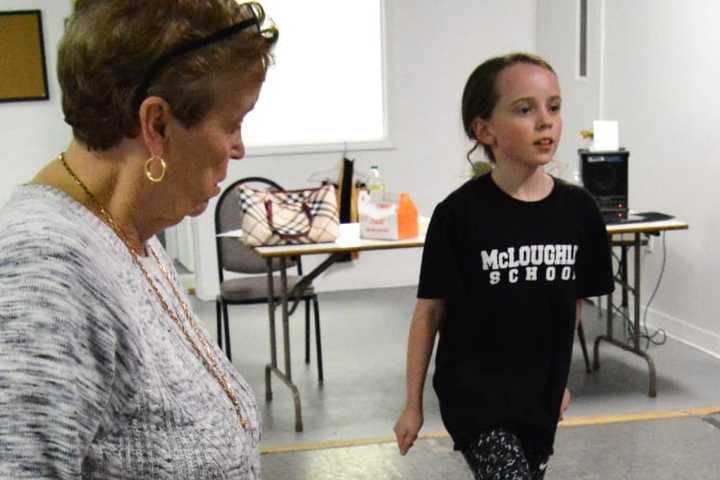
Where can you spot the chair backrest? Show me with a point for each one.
(233, 255)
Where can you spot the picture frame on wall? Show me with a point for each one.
(22, 62)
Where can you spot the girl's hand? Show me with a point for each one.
(567, 398)
(406, 429)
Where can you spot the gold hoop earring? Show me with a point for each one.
(163, 167)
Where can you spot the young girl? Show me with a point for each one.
(508, 257)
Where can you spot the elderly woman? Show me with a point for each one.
(104, 371)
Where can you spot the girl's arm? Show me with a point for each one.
(423, 329)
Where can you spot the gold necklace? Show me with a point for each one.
(207, 357)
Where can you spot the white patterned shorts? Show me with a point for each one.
(498, 455)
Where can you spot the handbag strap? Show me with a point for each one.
(286, 236)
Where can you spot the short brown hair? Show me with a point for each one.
(110, 46)
(480, 94)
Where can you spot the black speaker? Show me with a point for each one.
(605, 176)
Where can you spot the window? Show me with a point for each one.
(327, 88)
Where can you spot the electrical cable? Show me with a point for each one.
(650, 338)
(645, 334)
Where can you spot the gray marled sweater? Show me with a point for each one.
(96, 381)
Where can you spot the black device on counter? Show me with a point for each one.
(605, 175)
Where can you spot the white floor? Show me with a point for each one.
(364, 334)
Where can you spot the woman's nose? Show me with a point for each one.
(237, 150)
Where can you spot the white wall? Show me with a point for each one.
(558, 42)
(662, 71)
(653, 68)
(33, 133)
(432, 48)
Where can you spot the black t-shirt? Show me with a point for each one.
(510, 273)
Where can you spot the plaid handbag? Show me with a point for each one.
(282, 217)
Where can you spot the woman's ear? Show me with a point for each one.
(154, 117)
(482, 131)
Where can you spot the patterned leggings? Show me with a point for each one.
(499, 455)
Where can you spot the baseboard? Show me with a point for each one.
(696, 337)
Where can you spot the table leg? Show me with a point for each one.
(285, 376)
(636, 288)
(273, 344)
(295, 393)
(285, 317)
(272, 368)
(635, 348)
(652, 383)
(624, 276)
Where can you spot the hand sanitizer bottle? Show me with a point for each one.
(376, 185)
